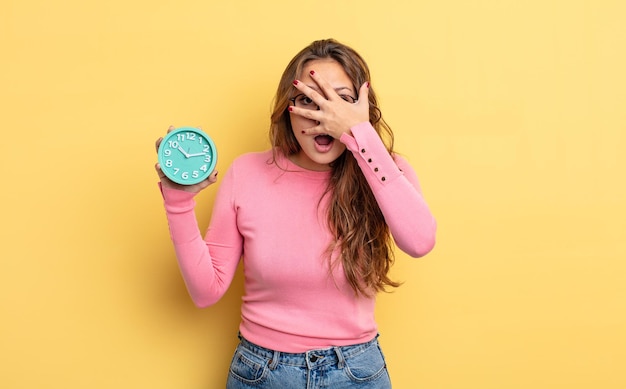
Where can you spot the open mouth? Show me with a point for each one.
(323, 143)
(323, 140)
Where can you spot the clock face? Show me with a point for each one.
(187, 156)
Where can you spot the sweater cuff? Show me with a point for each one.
(177, 201)
(371, 153)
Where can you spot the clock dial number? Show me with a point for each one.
(167, 152)
(186, 136)
(194, 174)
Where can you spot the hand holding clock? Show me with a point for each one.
(187, 181)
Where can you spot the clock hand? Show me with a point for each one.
(195, 155)
(183, 151)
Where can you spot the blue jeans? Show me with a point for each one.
(357, 366)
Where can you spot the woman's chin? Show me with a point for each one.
(322, 159)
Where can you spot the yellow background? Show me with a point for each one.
(512, 113)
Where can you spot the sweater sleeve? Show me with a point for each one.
(207, 265)
(396, 189)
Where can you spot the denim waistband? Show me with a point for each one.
(332, 355)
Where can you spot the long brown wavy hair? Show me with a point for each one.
(360, 232)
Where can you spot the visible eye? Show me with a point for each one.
(304, 100)
(348, 98)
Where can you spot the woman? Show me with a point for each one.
(312, 219)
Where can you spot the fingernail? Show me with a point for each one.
(312, 72)
(295, 82)
(290, 108)
(368, 85)
(304, 132)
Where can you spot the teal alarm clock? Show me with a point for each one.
(187, 155)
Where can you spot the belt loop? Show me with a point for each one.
(341, 362)
(274, 360)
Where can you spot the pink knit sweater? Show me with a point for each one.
(271, 218)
